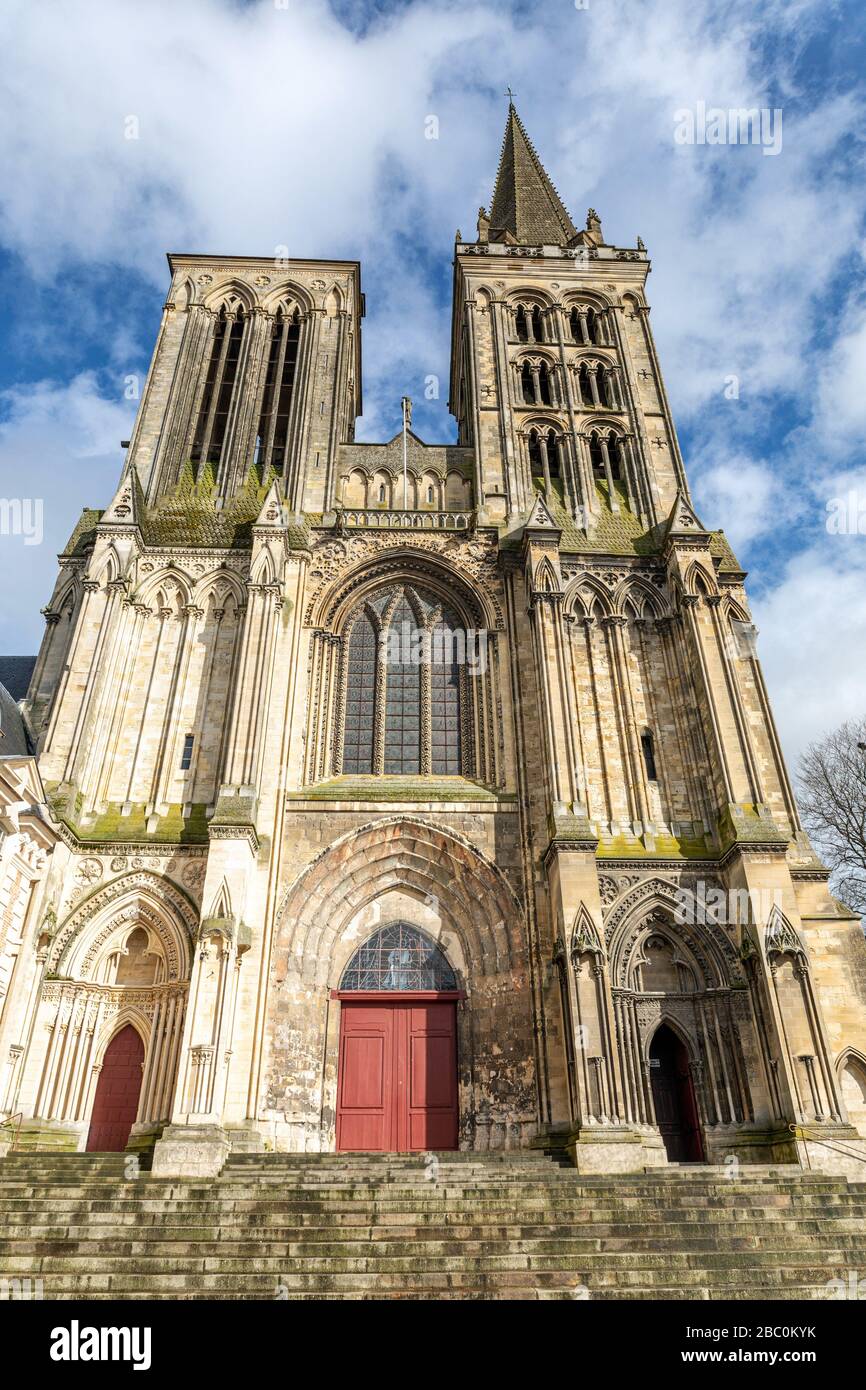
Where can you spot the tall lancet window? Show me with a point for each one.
(403, 692)
(213, 417)
(273, 432)
(404, 675)
(362, 662)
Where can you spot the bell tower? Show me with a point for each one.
(555, 378)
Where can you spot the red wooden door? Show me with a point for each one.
(116, 1102)
(674, 1098)
(397, 1088)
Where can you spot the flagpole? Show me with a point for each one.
(407, 417)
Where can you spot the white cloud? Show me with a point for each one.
(812, 638)
(742, 496)
(59, 450)
(260, 127)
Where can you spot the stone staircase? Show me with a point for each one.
(454, 1226)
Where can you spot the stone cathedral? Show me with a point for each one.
(413, 796)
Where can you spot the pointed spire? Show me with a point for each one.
(526, 207)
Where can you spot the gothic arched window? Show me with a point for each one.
(404, 686)
(273, 432)
(402, 693)
(359, 737)
(210, 431)
(399, 957)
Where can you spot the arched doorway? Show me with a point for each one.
(853, 1086)
(674, 1097)
(116, 1102)
(397, 1082)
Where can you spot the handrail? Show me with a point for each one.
(4, 1124)
(801, 1132)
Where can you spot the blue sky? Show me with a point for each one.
(261, 126)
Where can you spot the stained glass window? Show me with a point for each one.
(399, 957)
(360, 697)
(445, 701)
(407, 682)
(403, 694)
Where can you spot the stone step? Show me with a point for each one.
(517, 1293)
(373, 1227)
(250, 1198)
(384, 1283)
(270, 1239)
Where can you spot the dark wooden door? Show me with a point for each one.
(397, 1087)
(674, 1098)
(116, 1102)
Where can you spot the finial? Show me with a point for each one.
(640, 244)
(510, 95)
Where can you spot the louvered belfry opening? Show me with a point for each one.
(222, 372)
(274, 422)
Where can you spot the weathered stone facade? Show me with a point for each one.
(615, 762)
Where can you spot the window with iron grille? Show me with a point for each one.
(399, 957)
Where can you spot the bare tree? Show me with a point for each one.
(833, 801)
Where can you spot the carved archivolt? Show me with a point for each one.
(653, 904)
(154, 902)
(472, 897)
(468, 568)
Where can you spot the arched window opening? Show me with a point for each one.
(273, 432)
(544, 385)
(583, 385)
(210, 432)
(527, 385)
(381, 492)
(521, 324)
(399, 958)
(404, 687)
(596, 456)
(553, 454)
(615, 453)
(537, 325)
(403, 694)
(359, 736)
(445, 736)
(430, 495)
(536, 462)
(649, 757)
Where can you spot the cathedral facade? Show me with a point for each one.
(405, 796)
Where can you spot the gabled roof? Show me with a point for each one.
(525, 202)
(15, 673)
(13, 734)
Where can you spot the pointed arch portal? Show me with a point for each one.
(674, 1098)
(117, 1093)
(397, 1084)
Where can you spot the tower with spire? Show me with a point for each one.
(371, 762)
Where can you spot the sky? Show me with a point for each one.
(222, 127)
